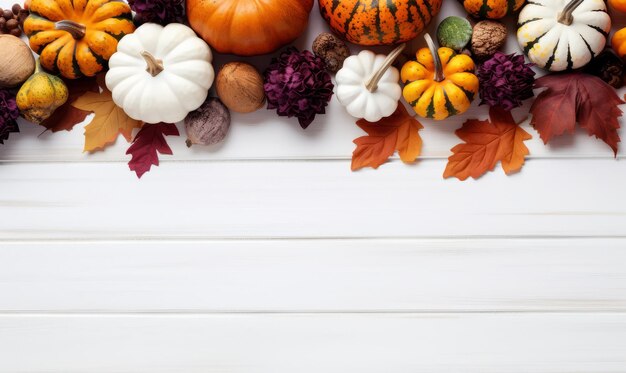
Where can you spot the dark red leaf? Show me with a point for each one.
(150, 140)
(576, 97)
(67, 116)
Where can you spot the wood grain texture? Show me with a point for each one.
(320, 199)
(315, 275)
(410, 343)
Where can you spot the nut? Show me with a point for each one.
(332, 50)
(487, 38)
(16, 61)
(240, 87)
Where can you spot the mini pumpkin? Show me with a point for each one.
(160, 74)
(367, 22)
(368, 87)
(249, 27)
(77, 38)
(618, 42)
(619, 5)
(492, 9)
(562, 35)
(440, 83)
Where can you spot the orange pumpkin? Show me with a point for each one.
(367, 22)
(77, 37)
(248, 27)
(619, 5)
(492, 9)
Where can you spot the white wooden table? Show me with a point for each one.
(267, 255)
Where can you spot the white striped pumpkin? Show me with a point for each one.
(560, 35)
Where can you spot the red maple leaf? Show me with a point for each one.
(150, 140)
(576, 97)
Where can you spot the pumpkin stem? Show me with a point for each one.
(372, 83)
(436, 60)
(566, 17)
(75, 29)
(155, 66)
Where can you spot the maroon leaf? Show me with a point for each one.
(150, 140)
(576, 97)
(67, 116)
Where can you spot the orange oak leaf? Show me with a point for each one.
(67, 116)
(576, 97)
(400, 132)
(486, 144)
(109, 120)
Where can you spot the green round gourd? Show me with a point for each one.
(454, 33)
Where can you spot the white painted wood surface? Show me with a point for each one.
(310, 343)
(382, 275)
(266, 254)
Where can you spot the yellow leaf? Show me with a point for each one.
(109, 121)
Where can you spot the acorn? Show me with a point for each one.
(209, 124)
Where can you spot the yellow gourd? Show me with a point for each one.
(441, 83)
(41, 95)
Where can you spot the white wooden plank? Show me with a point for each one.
(486, 343)
(309, 199)
(264, 135)
(315, 275)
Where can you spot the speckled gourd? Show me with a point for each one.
(41, 95)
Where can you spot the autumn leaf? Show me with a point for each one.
(576, 97)
(109, 121)
(6, 129)
(486, 144)
(150, 140)
(67, 116)
(398, 132)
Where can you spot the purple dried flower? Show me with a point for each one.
(8, 114)
(505, 81)
(297, 85)
(162, 12)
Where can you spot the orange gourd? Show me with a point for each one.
(367, 22)
(618, 42)
(248, 27)
(619, 5)
(492, 9)
(77, 37)
(440, 83)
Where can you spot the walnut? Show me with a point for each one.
(487, 38)
(332, 50)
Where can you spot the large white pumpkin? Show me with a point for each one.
(160, 74)
(368, 87)
(562, 35)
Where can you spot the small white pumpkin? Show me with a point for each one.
(368, 87)
(160, 74)
(562, 35)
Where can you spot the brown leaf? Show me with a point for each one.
(576, 97)
(487, 143)
(109, 121)
(66, 116)
(397, 132)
